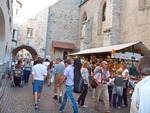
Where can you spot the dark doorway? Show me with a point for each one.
(65, 55)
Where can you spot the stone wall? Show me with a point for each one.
(135, 22)
(39, 25)
(63, 26)
(126, 21)
(5, 34)
(103, 33)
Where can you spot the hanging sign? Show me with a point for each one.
(127, 56)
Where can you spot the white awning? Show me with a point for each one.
(106, 49)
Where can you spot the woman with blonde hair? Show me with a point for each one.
(85, 76)
(125, 75)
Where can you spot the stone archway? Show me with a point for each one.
(28, 48)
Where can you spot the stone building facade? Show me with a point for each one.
(17, 11)
(54, 31)
(110, 22)
(63, 28)
(32, 33)
(5, 34)
(74, 25)
(99, 23)
(135, 22)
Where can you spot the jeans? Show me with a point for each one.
(69, 94)
(82, 97)
(125, 93)
(26, 76)
(115, 99)
(110, 89)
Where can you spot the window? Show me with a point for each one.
(84, 18)
(8, 5)
(16, 11)
(29, 32)
(144, 4)
(65, 55)
(104, 12)
(13, 37)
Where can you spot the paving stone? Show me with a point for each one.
(20, 100)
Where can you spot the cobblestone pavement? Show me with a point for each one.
(20, 100)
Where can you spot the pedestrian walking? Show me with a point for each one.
(85, 76)
(39, 72)
(69, 76)
(27, 70)
(58, 73)
(50, 73)
(118, 90)
(102, 89)
(140, 97)
(125, 75)
(111, 85)
(46, 64)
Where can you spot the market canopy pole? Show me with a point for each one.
(133, 54)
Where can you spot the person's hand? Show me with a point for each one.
(100, 84)
(103, 78)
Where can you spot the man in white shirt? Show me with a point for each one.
(102, 77)
(141, 96)
(39, 72)
(46, 63)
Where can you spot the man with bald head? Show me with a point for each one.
(102, 77)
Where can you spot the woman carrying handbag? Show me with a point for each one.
(85, 76)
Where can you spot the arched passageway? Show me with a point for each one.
(28, 48)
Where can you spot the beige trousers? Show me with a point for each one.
(56, 81)
(102, 91)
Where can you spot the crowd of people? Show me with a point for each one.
(111, 85)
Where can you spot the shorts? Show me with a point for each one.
(38, 86)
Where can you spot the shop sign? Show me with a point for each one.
(127, 56)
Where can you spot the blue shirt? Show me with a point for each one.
(28, 67)
(59, 69)
(69, 73)
(141, 97)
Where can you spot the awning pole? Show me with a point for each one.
(133, 53)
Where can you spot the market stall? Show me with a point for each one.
(131, 53)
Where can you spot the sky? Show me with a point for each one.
(31, 7)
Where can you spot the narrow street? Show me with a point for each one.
(20, 100)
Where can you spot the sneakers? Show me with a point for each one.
(36, 106)
(60, 99)
(78, 104)
(38, 101)
(118, 107)
(84, 106)
(124, 105)
(60, 111)
(55, 97)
